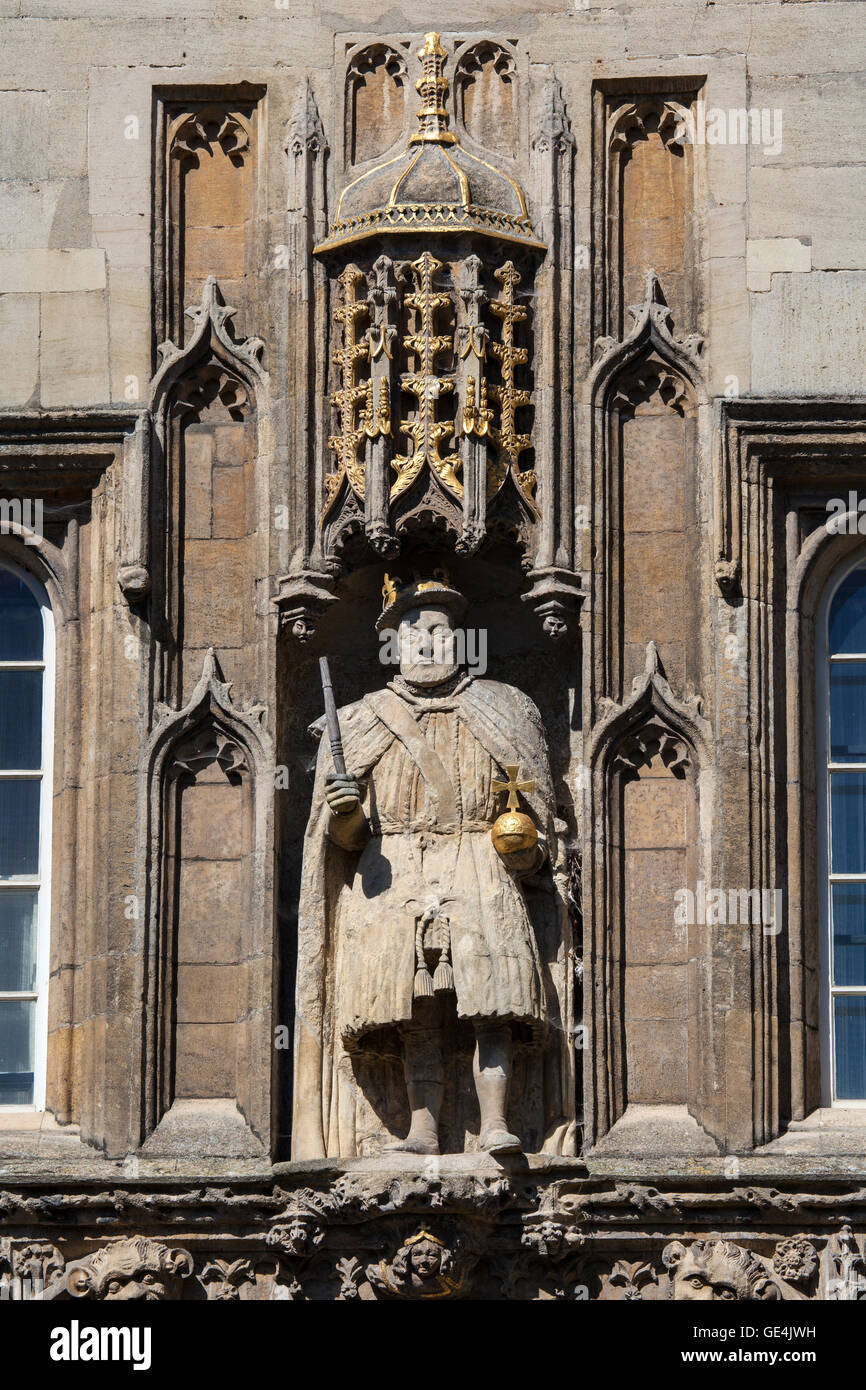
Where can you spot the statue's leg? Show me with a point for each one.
(425, 1084)
(492, 1071)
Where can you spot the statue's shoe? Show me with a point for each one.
(410, 1146)
(500, 1141)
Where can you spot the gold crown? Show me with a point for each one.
(399, 595)
(391, 588)
(425, 1235)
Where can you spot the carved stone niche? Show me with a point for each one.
(486, 94)
(431, 265)
(205, 198)
(450, 407)
(375, 105)
(643, 204)
(208, 986)
(646, 757)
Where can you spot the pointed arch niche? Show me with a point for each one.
(208, 956)
(648, 797)
(207, 484)
(648, 417)
(647, 186)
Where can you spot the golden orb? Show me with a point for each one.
(513, 831)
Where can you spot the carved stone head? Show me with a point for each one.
(423, 1267)
(423, 615)
(134, 1268)
(711, 1271)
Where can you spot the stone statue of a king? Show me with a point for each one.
(434, 956)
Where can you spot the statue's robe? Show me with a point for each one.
(427, 765)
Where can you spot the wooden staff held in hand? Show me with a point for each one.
(341, 790)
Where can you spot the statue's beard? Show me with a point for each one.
(442, 687)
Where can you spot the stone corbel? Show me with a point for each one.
(301, 599)
(557, 596)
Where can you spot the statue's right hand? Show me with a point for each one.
(342, 793)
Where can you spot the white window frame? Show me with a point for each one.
(42, 880)
(829, 991)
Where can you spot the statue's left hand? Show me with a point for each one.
(523, 861)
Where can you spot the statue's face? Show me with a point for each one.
(425, 1259)
(427, 646)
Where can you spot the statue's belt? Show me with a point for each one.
(467, 826)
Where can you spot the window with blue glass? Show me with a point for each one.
(25, 650)
(844, 678)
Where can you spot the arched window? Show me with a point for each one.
(26, 709)
(842, 751)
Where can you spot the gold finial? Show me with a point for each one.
(432, 86)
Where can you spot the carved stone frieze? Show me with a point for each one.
(377, 1235)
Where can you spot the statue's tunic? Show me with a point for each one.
(426, 765)
(422, 853)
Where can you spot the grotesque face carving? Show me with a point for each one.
(716, 1272)
(131, 1269)
(427, 646)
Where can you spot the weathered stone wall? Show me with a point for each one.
(161, 169)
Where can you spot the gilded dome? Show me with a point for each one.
(433, 185)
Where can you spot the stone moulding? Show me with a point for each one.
(755, 436)
(64, 450)
(777, 464)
